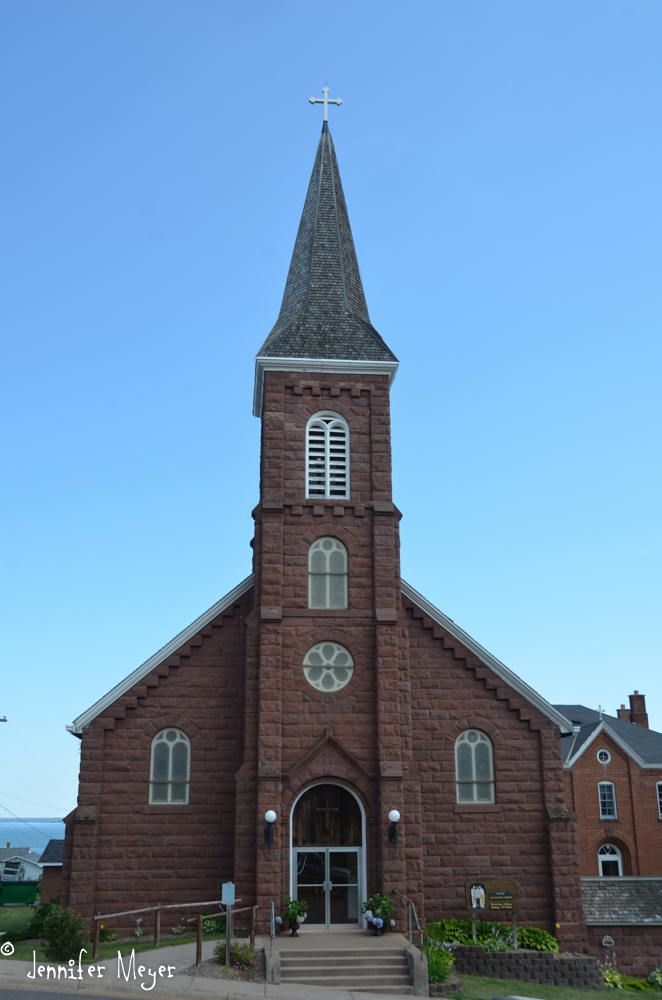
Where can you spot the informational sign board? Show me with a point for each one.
(227, 894)
(485, 894)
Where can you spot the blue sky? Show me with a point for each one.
(501, 163)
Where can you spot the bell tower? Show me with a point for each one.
(324, 693)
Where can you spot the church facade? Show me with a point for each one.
(324, 688)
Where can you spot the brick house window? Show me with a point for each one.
(607, 800)
(327, 457)
(474, 767)
(170, 768)
(327, 574)
(610, 862)
(659, 798)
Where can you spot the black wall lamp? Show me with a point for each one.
(394, 817)
(270, 817)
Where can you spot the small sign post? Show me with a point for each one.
(490, 894)
(227, 898)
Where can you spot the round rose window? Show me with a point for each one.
(328, 666)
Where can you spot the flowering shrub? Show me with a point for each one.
(105, 936)
(241, 957)
(440, 958)
(378, 907)
(138, 930)
(295, 910)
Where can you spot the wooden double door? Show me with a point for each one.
(327, 855)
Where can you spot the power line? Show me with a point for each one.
(30, 802)
(24, 822)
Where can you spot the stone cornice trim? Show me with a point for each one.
(154, 661)
(337, 366)
(499, 668)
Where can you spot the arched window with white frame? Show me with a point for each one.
(474, 767)
(327, 574)
(610, 862)
(170, 768)
(327, 457)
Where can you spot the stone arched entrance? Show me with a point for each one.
(327, 856)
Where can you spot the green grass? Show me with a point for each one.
(23, 949)
(14, 918)
(482, 988)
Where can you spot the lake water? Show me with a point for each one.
(34, 833)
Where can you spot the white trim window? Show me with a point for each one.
(327, 574)
(474, 767)
(170, 768)
(327, 457)
(604, 757)
(659, 798)
(610, 862)
(607, 794)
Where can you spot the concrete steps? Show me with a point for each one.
(371, 970)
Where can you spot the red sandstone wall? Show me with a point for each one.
(126, 853)
(638, 828)
(508, 839)
(637, 949)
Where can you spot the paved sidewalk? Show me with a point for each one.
(14, 975)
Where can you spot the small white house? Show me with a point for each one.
(21, 868)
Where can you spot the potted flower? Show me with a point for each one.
(378, 910)
(294, 912)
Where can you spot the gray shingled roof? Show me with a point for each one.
(645, 743)
(622, 900)
(10, 852)
(324, 312)
(53, 853)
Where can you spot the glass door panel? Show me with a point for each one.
(311, 879)
(344, 887)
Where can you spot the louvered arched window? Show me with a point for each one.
(327, 457)
(170, 768)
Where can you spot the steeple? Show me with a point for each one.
(324, 324)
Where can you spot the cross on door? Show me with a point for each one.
(327, 809)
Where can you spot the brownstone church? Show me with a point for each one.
(323, 687)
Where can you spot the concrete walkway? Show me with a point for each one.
(14, 975)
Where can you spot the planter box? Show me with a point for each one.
(583, 971)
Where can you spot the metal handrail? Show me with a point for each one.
(412, 907)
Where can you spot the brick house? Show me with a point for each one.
(323, 687)
(613, 776)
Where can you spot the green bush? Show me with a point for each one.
(493, 936)
(241, 956)
(440, 958)
(65, 932)
(35, 929)
(641, 985)
(534, 937)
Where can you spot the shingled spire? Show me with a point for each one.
(324, 324)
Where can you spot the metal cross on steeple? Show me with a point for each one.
(326, 100)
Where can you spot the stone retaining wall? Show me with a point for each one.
(529, 966)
